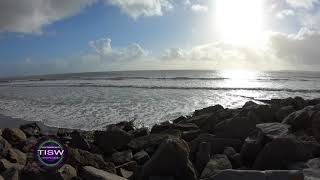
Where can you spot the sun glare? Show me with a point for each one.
(239, 21)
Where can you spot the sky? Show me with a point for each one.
(58, 36)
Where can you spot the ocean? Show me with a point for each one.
(92, 100)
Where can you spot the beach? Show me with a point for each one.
(275, 140)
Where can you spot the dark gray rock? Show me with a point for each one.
(202, 156)
(16, 156)
(233, 156)
(78, 141)
(141, 157)
(126, 125)
(190, 135)
(92, 173)
(313, 163)
(273, 130)
(111, 139)
(4, 147)
(31, 129)
(171, 159)
(262, 114)
(182, 127)
(215, 165)
(5, 165)
(15, 137)
(125, 173)
(315, 125)
(299, 120)
(311, 174)
(140, 132)
(207, 110)
(10, 174)
(122, 157)
(67, 172)
(284, 112)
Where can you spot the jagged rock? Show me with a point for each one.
(111, 139)
(210, 109)
(1, 178)
(236, 127)
(150, 140)
(284, 112)
(215, 165)
(126, 125)
(140, 132)
(171, 159)
(287, 102)
(124, 173)
(262, 114)
(4, 147)
(313, 163)
(78, 141)
(141, 157)
(11, 174)
(273, 130)
(316, 125)
(299, 120)
(217, 144)
(14, 136)
(121, 157)
(233, 156)
(130, 166)
(30, 144)
(5, 165)
(281, 151)
(16, 156)
(78, 157)
(206, 122)
(34, 172)
(179, 119)
(311, 174)
(92, 173)
(31, 129)
(190, 135)
(158, 128)
(299, 103)
(202, 156)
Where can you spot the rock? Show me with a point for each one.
(190, 135)
(273, 130)
(258, 175)
(1, 178)
(111, 139)
(34, 172)
(262, 114)
(299, 103)
(315, 125)
(217, 144)
(171, 159)
(140, 132)
(313, 163)
(126, 125)
(92, 173)
(179, 119)
(16, 156)
(298, 120)
(14, 136)
(129, 166)
(78, 157)
(287, 102)
(30, 144)
(4, 147)
(124, 173)
(122, 157)
(236, 127)
(31, 129)
(284, 112)
(5, 165)
(210, 109)
(11, 174)
(67, 172)
(202, 156)
(215, 165)
(150, 140)
(311, 174)
(78, 141)
(206, 122)
(233, 156)
(141, 157)
(182, 127)
(281, 151)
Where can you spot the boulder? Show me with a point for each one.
(215, 165)
(5, 165)
(262, 114)
(281, 151)
(30, 144)
(237, 127)
(299, 103)
(190, 135)
(273, 130)
(34, 172)
(171, 159)
(313, 163)
(217, 144)
(125, 173)
(202, 156)
(14, 136)
(111, 139)
(78, 141)
(67, 172)
(4, 147)
(78, 158)
(233, 156)
(31, 129)
(150, 140)
(207, 110)
(311, 174)
(141, 157)
(92, 173)
(121, 157)
(126, 125)
(11, 174)
(158, 128)
(299, 120)
(140, 132)
(16, 156)
(206, 122)
(284, 112)
(315, 125)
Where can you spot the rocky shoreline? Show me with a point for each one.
(275, 141)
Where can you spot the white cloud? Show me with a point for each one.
(302, 3)
(285, 13)
(137, 8)
(199, 8)
(31, 15)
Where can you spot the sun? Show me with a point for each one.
(239, 21)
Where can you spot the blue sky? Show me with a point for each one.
(47, 36)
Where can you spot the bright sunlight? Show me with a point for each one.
(239, 22)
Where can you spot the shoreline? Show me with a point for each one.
(276, 140)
